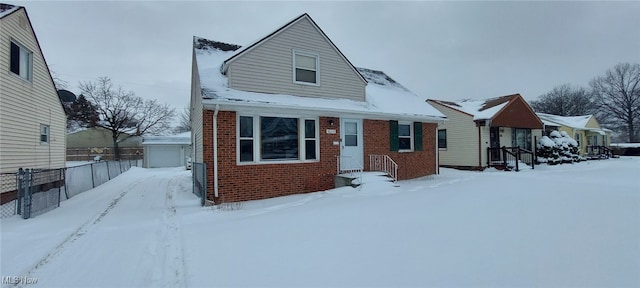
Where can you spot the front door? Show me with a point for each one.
(494, 142)
(351, 151)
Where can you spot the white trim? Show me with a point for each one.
(48, 133)
(257, 138)
(215, 153)
(295, 52)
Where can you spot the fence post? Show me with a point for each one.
(108, 172)
(93, 181)
(504, 156)
(20, 179)
(517, 158)
(60, 182)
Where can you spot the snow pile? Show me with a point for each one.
(558, 148)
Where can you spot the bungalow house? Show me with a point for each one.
(477, 129)
(586, 130)
(32, 119)
(289, 112)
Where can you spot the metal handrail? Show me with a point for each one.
(384, 163)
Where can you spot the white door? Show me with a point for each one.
(351, 152)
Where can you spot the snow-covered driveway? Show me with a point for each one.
(126, 234)
(574, 225)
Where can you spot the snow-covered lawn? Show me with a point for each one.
(556, 226)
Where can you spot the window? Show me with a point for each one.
(20, 61)
(310, 139)
(246, 138)
(278, 138)
(578, 139)
(442, 139)
(267, 139)
(305, 68)
(405, 137)
(521, 138)
(44, 133)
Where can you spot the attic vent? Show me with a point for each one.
(23, 22)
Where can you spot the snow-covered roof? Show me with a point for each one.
(6, 9)
(178, 139)
(384, 96)
(579, 122)
(483, 109)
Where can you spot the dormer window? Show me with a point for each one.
(305, 68)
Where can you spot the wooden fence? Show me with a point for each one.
(89, 154)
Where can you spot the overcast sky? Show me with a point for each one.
(439, 50)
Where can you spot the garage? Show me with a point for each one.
(166, 151)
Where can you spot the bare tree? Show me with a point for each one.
(184, 123)
(58, 82)
(618, 95)
(121, 111)
(565, 100)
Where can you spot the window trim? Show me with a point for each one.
(257, 138)
(411, 136)
(21, 48)
(445, 139)
(45, 130)
(308, 54)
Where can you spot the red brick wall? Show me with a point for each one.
(410, 164)
(260, 181)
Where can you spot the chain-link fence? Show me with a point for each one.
(199, 171)
(8, 192)
(37, 191)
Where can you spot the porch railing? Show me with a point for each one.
(355, 172)
(596, 151)
(510, 157)
(384, 163)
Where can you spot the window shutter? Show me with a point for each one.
(15, 58)
(393, 135)
(417, 134)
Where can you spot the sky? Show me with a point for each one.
(439, 50)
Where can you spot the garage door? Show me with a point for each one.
(164, 156)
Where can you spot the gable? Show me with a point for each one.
(267, 67)
(592, 123)
(517, 114)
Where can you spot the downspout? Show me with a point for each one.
(437, 151)
(215, 151)
(480, 147)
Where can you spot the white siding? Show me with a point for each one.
(196, 112)
(462, 139)
(24, 105)
(268, 67)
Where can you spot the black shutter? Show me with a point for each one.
(417, 136)
(15, 58)
(393, 135)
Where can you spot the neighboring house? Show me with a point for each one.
(166, 151)
(287, 113)
(32, 119)
(478, 128)
(584, 129)
(85, 144)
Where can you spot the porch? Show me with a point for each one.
(510, 158)
(381, 168)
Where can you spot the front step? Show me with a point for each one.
(351, 179)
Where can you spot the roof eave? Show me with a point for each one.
(331, 112)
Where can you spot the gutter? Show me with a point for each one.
(329, 112)
(215, 151)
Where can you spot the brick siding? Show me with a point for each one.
(410, 164)
(261, 181)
